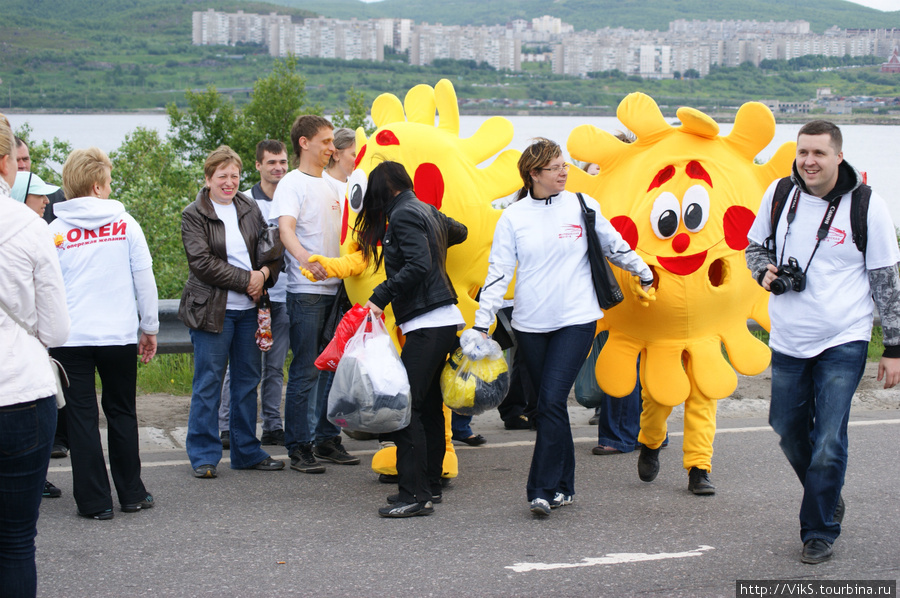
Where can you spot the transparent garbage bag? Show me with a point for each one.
(473, 386)
(370, 392)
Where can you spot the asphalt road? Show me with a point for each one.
(252, 533)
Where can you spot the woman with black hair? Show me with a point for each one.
(414, 238)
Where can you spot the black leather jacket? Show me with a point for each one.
(415, 258)
(205, 295)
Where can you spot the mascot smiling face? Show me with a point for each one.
(445, 172)
(684, 198)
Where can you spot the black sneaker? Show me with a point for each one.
(225, 437)
(272, 438)
(104, 515)
(699, 482)
(648, 464)
(303, 460)
(134, 507)
(520, 422)
(816, 551)
(395, 498)
(51, 491)
(410, 509)
(332, 450)
(59, 451)
(386, 478)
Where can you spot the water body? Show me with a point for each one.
(869, 148)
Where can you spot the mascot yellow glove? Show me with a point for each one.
(352, 264)
(644, 297)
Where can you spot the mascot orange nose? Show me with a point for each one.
(680, 243)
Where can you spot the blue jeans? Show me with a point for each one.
(272, 375)
(620, 419)
(554, 359)
(212, 352)
(809, 410)
(461, 425)
(306, 396)
(26, 437)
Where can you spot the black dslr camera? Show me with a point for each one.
(789, 277)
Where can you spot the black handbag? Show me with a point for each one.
(269, 247)
(609, 294)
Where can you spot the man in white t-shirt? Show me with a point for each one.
(272, 165)
(309, 217)
(822, 318)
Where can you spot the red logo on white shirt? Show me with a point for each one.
(836, 236)
(571, 231)
(77, 237)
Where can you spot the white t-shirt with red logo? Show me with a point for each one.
(315, 205)
(99, 246)
(545, 239)
(836, 307)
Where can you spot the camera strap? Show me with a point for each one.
(827, 219)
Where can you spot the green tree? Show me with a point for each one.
(45, 154)
(358, 114)
(210, 120)
(155, 185)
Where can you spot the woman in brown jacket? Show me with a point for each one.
(220, 231)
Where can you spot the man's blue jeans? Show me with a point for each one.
(809, 410)
(620, 419)
(26, 436)
(554, 359)
(236, 344)
(272, 375)
(306, 396)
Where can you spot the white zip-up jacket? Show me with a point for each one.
(545, 239)
(33, 290)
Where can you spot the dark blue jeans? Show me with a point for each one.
(810, 409)
(306, 396)
(26, 438)
(212, 352)
(554, 359)
(620, 419)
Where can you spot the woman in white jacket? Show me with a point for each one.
(33, 294)
(540, 238)
(106, 265)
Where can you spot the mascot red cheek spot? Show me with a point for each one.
(627, 229)
(386, 137)
(429, 184)
(680, 243)
(737, 223)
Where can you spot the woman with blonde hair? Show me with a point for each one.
(33, 316)
(111, 292)
(541, 239)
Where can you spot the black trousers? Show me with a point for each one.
(421, 445)
(522, 396)
(117, 366)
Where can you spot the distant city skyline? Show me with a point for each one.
(887, 5)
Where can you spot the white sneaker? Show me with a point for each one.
(540, 507)
(561, 500)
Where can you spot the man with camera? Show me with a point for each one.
(828, 261)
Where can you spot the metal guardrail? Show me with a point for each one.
(174, 336)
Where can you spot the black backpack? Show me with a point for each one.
(859, 209)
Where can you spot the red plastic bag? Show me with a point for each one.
(346, 328)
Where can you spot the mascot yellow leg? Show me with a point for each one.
(653, 422)
(699, 431)
(385, 460)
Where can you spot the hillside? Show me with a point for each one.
(595, 14)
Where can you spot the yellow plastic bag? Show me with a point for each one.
(473, 387)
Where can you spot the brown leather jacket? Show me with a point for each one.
(204, 297)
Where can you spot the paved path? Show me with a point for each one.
(252, 533)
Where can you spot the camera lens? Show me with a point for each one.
(780, 284)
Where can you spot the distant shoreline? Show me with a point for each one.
(669, 113)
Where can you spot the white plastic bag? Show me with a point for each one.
(370, 392)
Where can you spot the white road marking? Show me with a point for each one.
(615, 558)
(492, 445)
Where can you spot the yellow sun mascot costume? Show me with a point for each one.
(445, 173)
(684, 198)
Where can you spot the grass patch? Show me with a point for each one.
(169, 374)
(876, 344)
